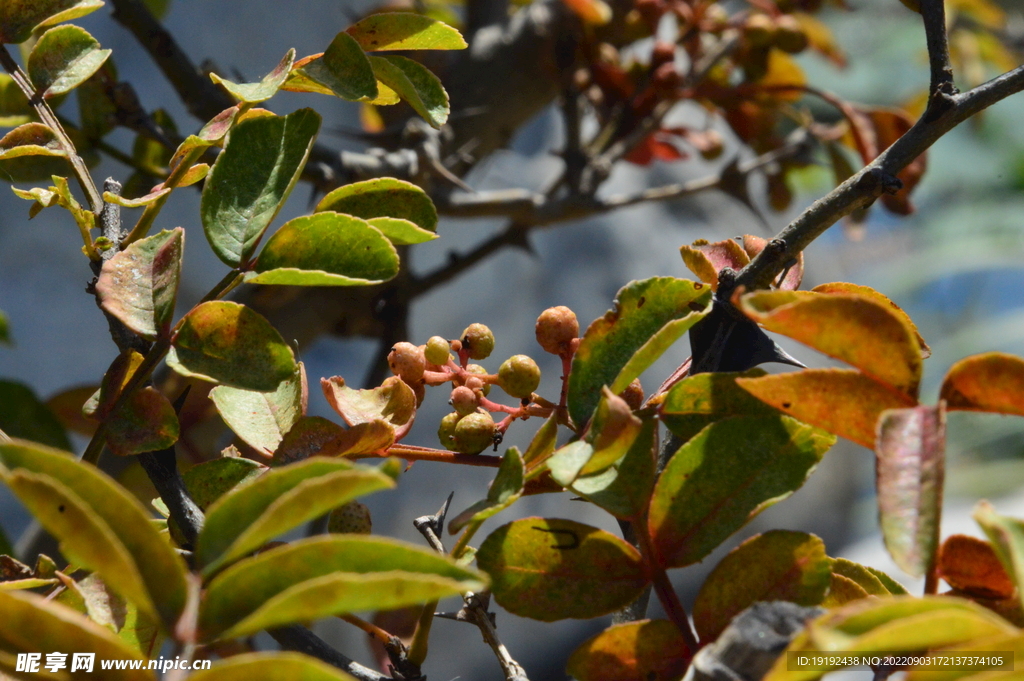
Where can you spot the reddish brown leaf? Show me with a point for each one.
(971, 565)
(841, 401)
(648, 650)
(851, 328)
(753, 245)
(911, 451)
(993, 381)
(706, 259)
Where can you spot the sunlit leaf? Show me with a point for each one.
(326, 249)
(841, 401)
(648, 650)
(843, 590)
(261, 419)
(415, 84)
(702, 399)
(911, 450)
(64, 58)
(705, 259)
(775, 566)
(139, 285)
(860, 575)
(253, 93)
(393, 401)
(279, 500)
(1007, 537)
(252, 178)
(843, 288)
(328, 575)
(228, 343)
(404, 31)
(145, 422)
(383, 197)
(731, 471)
(624, 488)
(648, 317)
(855, 329)
(34, 624)
(988, 382)
(550, 569)
(100, 525)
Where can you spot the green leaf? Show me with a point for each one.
(648, 650)
(1007, 537)
(146, 422)
(624, 488)
(131, 548)
(566, 462)
(505, 490)
(251, 180)
(550, 569)
(140, 632)
(139, 285)
(261, 419)
(64, 58)
(392, 401)
(30, 139)
(33, 624)
(542, 446)
(277, 666)
(22, 415)
(326, 249)
(254, 93)
(384, 197)
(402, 232)
(416, 85)
(775, 566)
(612, 432)
(19, 17)
(728, 473)
(343, 69)
(862, 576)
(911, 452)
(209, 481)
(230, 344)
(327, 575)
(649, 316)
(279, 500)
(405, 31)
(697, 401)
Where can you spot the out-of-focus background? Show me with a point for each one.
(956, 265)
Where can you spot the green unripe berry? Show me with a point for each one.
(556, 328)
(464, 400)
(479, 371)
(352, 518)
(474, 433)
(790, 35)
(446, 431)
(407, 360)
(478, 341)
(759, 30)
(519, 376)
(436, 350)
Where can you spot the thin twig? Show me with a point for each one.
(941, 86)
(475, 611)
(303, 640)
(874, 179)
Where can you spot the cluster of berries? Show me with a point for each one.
(470, 428)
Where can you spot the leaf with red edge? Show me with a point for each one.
(844, 288)
(911, 451)
(648, 650)
(992, 381)
(842, 401)
(706, 260)
(753, 245)
(775, 566)
(971, 565)
(393, 401)
(306, 438)
(139, 285)
(851, 328)
(362, 438)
